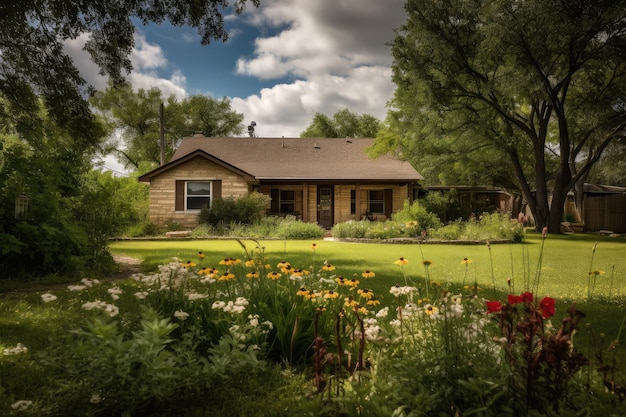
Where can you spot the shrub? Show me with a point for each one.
(451, 231)
(247, 209)
(418, 213)
(290, 228)
(351, 229)
(384, 230)
(445, 205)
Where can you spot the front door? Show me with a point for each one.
(325, 200)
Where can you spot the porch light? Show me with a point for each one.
(21, 206)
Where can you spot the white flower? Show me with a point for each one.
(181, 315)
(383, 312)
(112, 310)
(395, 323)
(397, 291)
(21, 405)
(141, 295)
(240, 301)
(89, 282)
(95, 398)
(19, 349)
(195, 296)
(269, 324)
(47, 297)
(218, 305)
(208, 280)
(297, 278)
(254, 320)
(76, 287)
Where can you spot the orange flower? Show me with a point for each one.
(368, 274)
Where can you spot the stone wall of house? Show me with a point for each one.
(163, 190)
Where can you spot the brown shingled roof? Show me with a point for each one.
(296, 158)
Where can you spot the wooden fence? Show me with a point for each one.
(605, 212)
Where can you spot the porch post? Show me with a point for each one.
(305, 202)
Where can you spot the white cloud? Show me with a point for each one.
(336, 49)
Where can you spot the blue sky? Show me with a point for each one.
(284, 61)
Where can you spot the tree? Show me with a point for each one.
(48, 134)
(134, 117)
(344, 124)
(533, 79)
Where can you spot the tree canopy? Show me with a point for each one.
(135, 117)
(343, 124)
(542, 83)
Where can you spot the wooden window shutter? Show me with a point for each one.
(388, 202)
(217, 189)
(275, 203)
(179, 204)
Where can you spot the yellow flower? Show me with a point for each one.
(235, 261)
(466, 261)
(349, 302)
(250, 263)
(412, 223)
(361, 310)
(330, 294)
(313, 246)
(352, 283)
(287, 269)
(401, 261)
(303, 292)
(226, 276)
(365, 293)
(282, 264)
(200, 255)
(274, 275)
(340, 280)
(435, 283)
(328, 267)
(430, 309)
(226, 261)
(268, 266)
(300, 272)
(426, 262)
(253, 274)
(188, 264)
(368, 274)
(373, 302)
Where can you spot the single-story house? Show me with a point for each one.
(322, 180)
(472, 199)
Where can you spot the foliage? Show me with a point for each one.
(247, 209)
(511, 79)
(343, 124)
(163, 341)
(416, 212)
(267, 227)
(351, 229)
(136, 116)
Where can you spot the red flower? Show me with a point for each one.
(527, 297)
(494, 306)
(546, 305)
(514, 299)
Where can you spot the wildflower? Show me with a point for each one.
(115, 292)
(21, 405)
(47, 297)
(351, 303)
(411, 223)
(527, 297)
(547, 307)
(89, 282)
(368, 274)
(76, 287)
(253, 274)
(286, 269)
(365, 293)
(226, 276)
(282, 264)
(141, 295)
(514, 299)
(18, 349)
(466, 261)
(231, 307)
(274, 275)
(195, 296)
(188, 264)
(435, 284)
(430, 309)
(373, 302)
(95, 398)
(340, 280)
(226, 261)
(250, 263)
(218, 305)
(303, 292)
(383, 312)
(397, 290)
(208, 271)
(330, 294)
(328, 267)
(353, 283)
(456, 299)
(494, 306)
(313, 246)
(181, 315)
(300, 272)
(361, 310)
(240, 301)
(426, 262)
(401, 261)
(200, 255)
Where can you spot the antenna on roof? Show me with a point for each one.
(251, 129)
(283, 142)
